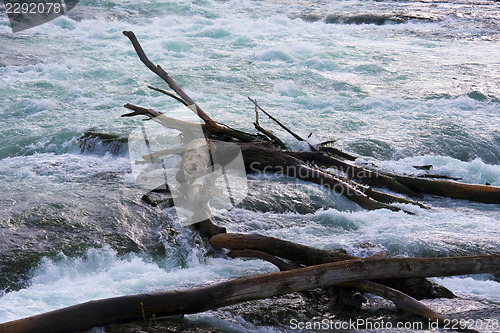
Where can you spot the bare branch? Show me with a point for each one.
(169, 94)
(270, 135)
(246, 253)
(164, 75)
(296, 136)
(160, 118)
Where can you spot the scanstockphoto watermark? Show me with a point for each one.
(370, 324)
(333, 182)
(202, 176)
(354, 324)
(25, 14)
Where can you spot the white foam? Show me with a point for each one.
(476, 287)
(287, 88)
(101, 273)
(474, 172)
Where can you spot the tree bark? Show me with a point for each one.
(301, 254)
(452, 189)
(129, 308)
(418, 288)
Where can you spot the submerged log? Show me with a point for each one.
(452, 189)
(135, 307)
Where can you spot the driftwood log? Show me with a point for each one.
(402, 292)
(134, 307)
(241, 244)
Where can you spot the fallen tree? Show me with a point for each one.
(253, 245)
(135, 307)
(298, 163)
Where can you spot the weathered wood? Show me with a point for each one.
(177, 98)
(406, 303)
(305, 255)
(337, 152)
(277, 141)
(211, 125)
(296, 168)
(246, 253)
(452, 189)
(295, 135)
(164, 75)
(162, 119)
(373, 178)
(404, 184)
(389, 198)
(401, 300)
(129, 308)
(208, 228)
(265, 157)
(301, 254)
(401, 184)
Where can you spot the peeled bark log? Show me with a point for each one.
(401, 300)
(407, 185)
(418, 288)
(296, 168)
(370, 177)
(301, 254)
(448, 188)
(264, 157)
(129, 308)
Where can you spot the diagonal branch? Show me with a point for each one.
(164, 75)
(277, 141)
(169, 94)
(296, 136)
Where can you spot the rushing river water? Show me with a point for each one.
(401, 83)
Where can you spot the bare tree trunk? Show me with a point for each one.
(130, 308)
(301, 254)
(305, 255)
